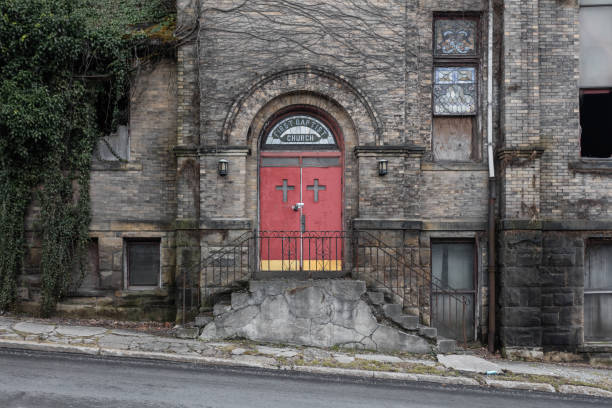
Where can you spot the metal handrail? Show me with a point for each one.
(239, 260)
(436, 286)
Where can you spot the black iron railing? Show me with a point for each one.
(399, 270)
(322, 254)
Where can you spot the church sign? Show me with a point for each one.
(300, 130)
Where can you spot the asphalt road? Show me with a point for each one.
(41, 380)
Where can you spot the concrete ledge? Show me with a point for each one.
(224, 150)
(556, 225)
(583, 390)
(398, 150)
(592, 165)
(454, 166)
(519, 385)
(116, 166)
(387, 224)
(227, 224)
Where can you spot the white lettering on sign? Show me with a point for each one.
(300, 130)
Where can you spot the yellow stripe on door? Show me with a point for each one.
(294, 265)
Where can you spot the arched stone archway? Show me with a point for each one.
(320, 85)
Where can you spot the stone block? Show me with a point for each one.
(409, 322)
(429, 332)
(239, 299)
(377, 298)
(562, 336)
(550, 319)
(348, 289)
(219, 309)
(389, 339)
(521, 336)
(187, 332)
(202, 320)
(563, 299)
(520, 317)
(446, 346)
(571, 316)
(392, 311)
(519, 276)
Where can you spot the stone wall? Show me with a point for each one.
(324, 313)
(134, 199)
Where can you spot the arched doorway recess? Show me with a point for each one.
(301, 165)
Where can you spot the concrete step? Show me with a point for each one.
(409, 322)
(393, 311)
(429, 332)
(202, 320)
(446, 346)
(187, 332)
(377, 298)
(221, 307)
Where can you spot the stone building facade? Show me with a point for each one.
(404, 82)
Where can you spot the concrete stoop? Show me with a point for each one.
(394, 313)
(320, 313)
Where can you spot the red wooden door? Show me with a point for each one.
(322, 241)
(280, 190)
(301, 217)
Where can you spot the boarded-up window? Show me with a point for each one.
(598, 292)
(454, 139)
(143, 265)
(114, 147)
(453, 289)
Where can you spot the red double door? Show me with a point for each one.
(301, 213)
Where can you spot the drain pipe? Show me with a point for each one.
(491, 233)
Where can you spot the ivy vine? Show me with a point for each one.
(65, 67)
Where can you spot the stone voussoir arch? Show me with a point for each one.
(309, 80)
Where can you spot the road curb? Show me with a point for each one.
(383, 375)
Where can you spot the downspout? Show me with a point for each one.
(491, 226)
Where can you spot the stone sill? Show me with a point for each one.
(227, 223)
(386, 223)
(588, 165)
(453, 166)
(91, 293)
(144, 291)
(596, 347)
(385, 150)
(116, 166)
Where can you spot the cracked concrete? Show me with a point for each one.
(24, 334)
(312, 313)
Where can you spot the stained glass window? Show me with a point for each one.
(454, 91)
(455, 37)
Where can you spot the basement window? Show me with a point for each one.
(143, 263)
(595, 124)
(598, 292)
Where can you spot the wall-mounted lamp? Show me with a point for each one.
(382, 167)
(222, 167)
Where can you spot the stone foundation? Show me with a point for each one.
(320, 313)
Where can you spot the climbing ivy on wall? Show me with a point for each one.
(65, 67)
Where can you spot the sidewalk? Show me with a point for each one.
(459, 369)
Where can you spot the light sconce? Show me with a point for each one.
(382, 167)
(222, 167)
